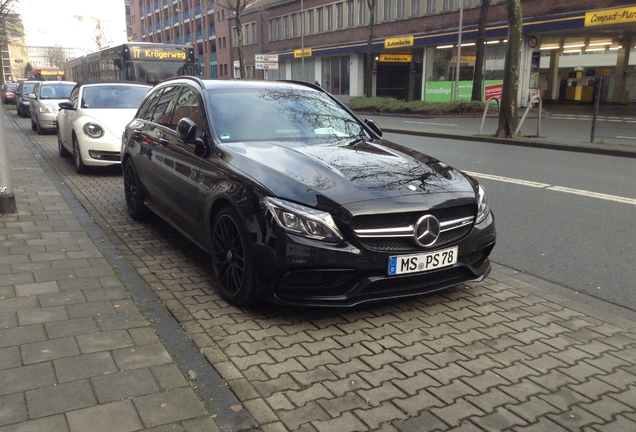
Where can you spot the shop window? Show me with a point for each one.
(336, 75)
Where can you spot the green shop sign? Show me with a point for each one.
(444, 91)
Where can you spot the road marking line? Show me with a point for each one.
(589, 194)
(429, 123)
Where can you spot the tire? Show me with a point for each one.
(60, 147)
(77, 158)
(33, 126)
(133, 193)
(231, 259)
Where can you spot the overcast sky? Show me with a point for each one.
(58, 22)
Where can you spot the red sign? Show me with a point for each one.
(493, 91)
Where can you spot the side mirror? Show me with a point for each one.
(31, 95)
(374, 127)
(187, 130)
(67, 105)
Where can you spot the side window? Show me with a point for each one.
(147, 108)
(165, 107)
(74, 96)
(188, 106)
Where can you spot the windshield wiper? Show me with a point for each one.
(358, 139)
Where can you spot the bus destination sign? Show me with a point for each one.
(141, 53)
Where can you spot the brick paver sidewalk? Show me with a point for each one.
(76, 353)
(513, 353)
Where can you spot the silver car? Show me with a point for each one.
(44, 104)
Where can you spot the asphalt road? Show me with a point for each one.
(562, 216)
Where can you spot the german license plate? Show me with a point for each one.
(403, 264)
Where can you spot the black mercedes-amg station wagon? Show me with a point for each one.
(296, 199)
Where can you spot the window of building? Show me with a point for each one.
(388, 5)
(336, 74)
(284, 30)
(310, 27)
(415, 8)
(401, 9)
(329, 18)
(350, 13)
(321, 21)
(447, 5)
(339, 15)
(362, 12)
(294, 26)
(273, 29)
(430, 6)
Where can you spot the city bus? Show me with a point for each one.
(136, 61)
(45, 74)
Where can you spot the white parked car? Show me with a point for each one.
(43, 103)
(91, 122)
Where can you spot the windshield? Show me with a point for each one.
(56, 91)
(113, 96)
(27, 88)
(280, 113)
(151, 72)
(11, 87)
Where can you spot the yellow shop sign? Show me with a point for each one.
(400, 42)
(299, 53)
(611, 16)
(395, 58)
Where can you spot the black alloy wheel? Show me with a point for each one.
(231, 258)
(133, 193)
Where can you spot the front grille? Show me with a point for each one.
(406, 243)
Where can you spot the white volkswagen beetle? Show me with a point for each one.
(91, 122)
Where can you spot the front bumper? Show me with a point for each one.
(104, 151)
(297, 271)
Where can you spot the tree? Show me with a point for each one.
(27, 68)
(368, 66)
(55, 56)
(237, 6)
(10, 28)
(508, 111)
(478, 78)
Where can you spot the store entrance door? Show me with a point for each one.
(392, 80)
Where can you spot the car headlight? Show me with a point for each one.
(303, 221)
(44, 108)
(93, 130)
(483, 208)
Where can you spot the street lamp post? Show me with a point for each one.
(459, 48)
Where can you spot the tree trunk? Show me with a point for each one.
(478, 77)
(368, 66)
(239, 35)
(508, 111)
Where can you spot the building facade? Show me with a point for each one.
(419, 49)
(13, 50)
(49, 56)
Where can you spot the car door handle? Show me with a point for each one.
(164, 142)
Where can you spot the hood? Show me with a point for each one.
(113, 120)
(333, 174)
